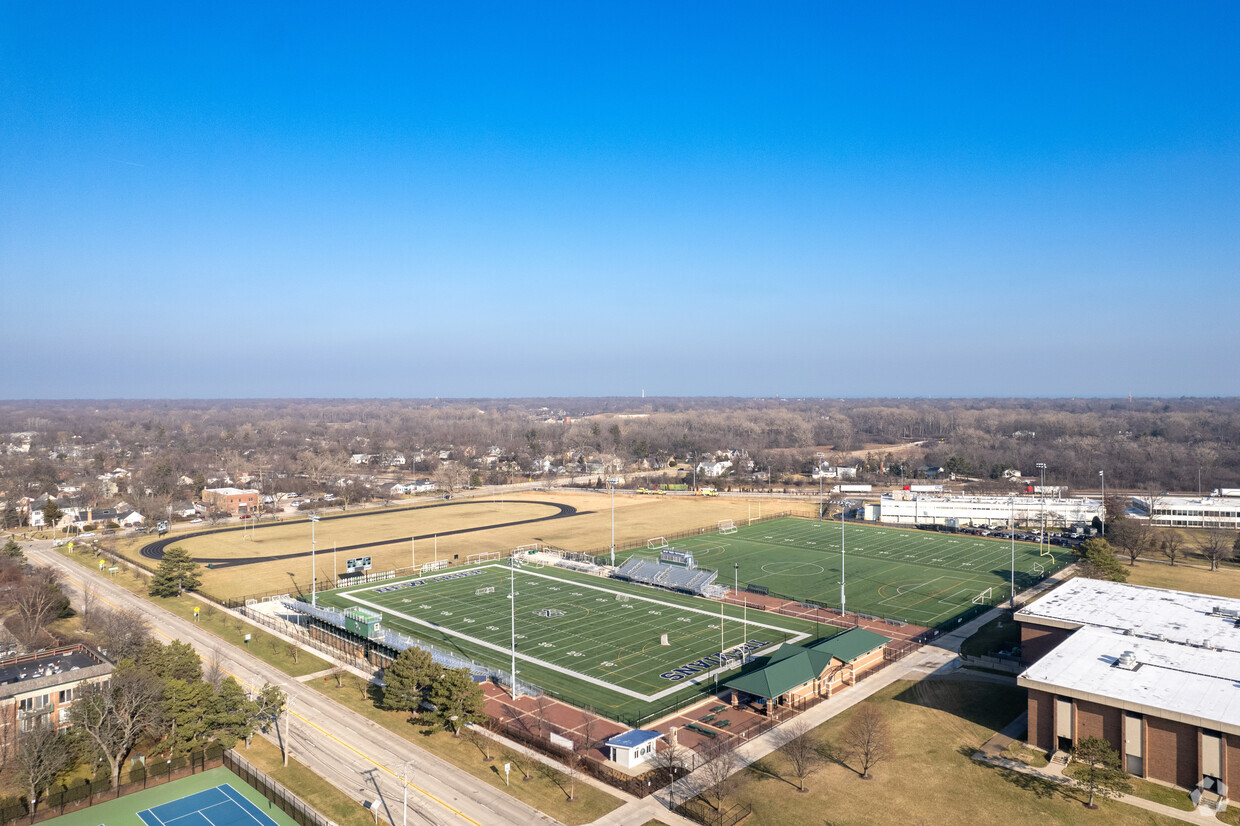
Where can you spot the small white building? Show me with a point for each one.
(633, 747)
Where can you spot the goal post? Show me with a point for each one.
(525, 549)
(489, 556)
(727, 526)
(656, 543)
(490, 589)
(982, 597)
(1046, 550)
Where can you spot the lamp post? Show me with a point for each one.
(1103, 477)
(314, 518)
(843, 519)
(288, 715)
(512, 597)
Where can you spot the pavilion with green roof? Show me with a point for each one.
(792, 672)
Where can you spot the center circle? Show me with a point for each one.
(792, 567)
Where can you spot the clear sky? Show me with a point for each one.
(523, 199)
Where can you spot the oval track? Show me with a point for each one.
(155, 550)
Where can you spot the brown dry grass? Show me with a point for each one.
(638, 517)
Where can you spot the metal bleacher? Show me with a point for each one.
(660, 575)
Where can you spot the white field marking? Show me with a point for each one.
(695, 680)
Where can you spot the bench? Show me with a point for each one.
(723, 724)
(718, 709)
(700, 730)
(706, 719)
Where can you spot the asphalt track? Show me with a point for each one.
(155, 550)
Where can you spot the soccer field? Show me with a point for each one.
(895, 573)
(594, 641)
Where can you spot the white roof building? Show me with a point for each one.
(1194, 512)
(909, 508)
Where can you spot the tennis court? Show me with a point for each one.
(219, 806)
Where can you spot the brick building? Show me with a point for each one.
(1154, 672)
(232, 500)
(38, 689)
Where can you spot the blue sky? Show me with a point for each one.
(821, 199)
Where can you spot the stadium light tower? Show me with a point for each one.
(1013, 535)
(819, 456)
(843, 519)
(611, 482)
(1103, 477)
(1042, 536)
(512, 598)
(314, 518)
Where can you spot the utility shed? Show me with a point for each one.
(363, 622)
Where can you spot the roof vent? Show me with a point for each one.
(1127, 661)
(1228, 613)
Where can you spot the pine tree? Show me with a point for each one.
(456, 700)
(406, 679)
(1101, 774)
(176, 573)
(234, 715)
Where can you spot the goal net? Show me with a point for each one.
(656, 543)
(727, 526)
(982, 597)
(525, 549)
(490, 556)
(490, 589)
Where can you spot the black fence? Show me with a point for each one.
(700, 811)
(602, 556)
(299, 810)
(76, 796)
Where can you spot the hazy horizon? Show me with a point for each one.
(806, 201)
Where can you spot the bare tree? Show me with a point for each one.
(1133, 536)
(718, 767)
(42, 757)
(90, 596)
(122, 635)
(1215, 547)
(542, 702)
(111, 716)
(522, 761)
(1172, 543)
(800, 751)
(673, 758)
(213, 672)
(868, 739)
(450, 476)
(37, 600)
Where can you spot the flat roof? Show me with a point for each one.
(1173, 681)
(230, 491)
(1156, 613)
(633, 739)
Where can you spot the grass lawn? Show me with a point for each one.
(547, 792)
(1224, 582)
(267, 647)
(1175, 798)
(303, 782)
(936, 725)
(1001, 633)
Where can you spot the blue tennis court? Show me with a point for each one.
(220, 806)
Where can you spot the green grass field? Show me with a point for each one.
(909, 575)
(592, 641)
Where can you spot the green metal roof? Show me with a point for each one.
(850, 645)
(790, 665)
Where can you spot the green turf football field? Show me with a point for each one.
(595, 641)
(915, 576)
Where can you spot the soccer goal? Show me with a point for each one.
(490, 556)
(434, 566)
(727, 526)
(981, 598)
(622, 597)
(656, 543)
(525, 549)
(490, 589)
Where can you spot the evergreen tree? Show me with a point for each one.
(407, 678)
(190, 711)
(1099, 561)
(176, 574)
(234, 714)
(175, 661)
(51, 513)
(13, 551)
(456, 700)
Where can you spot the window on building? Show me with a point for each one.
(65, 696)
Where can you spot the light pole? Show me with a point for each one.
(1042, 536)
(819, 457)
(288, 719)
(1013, 535)
(404, 782)
(512, 597)
(611, 482)
(843, 519)
(1103, 477)
(736, 577)
(314, 518)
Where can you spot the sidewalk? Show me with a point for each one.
(992, 752)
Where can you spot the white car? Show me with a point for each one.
(195, 521)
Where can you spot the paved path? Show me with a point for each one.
(352, 753)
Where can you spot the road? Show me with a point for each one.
(354, 754)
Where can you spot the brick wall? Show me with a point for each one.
(1231, 759)
(1095, 720)
(1171, 752)
(1037, 640)
(1041, 719)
